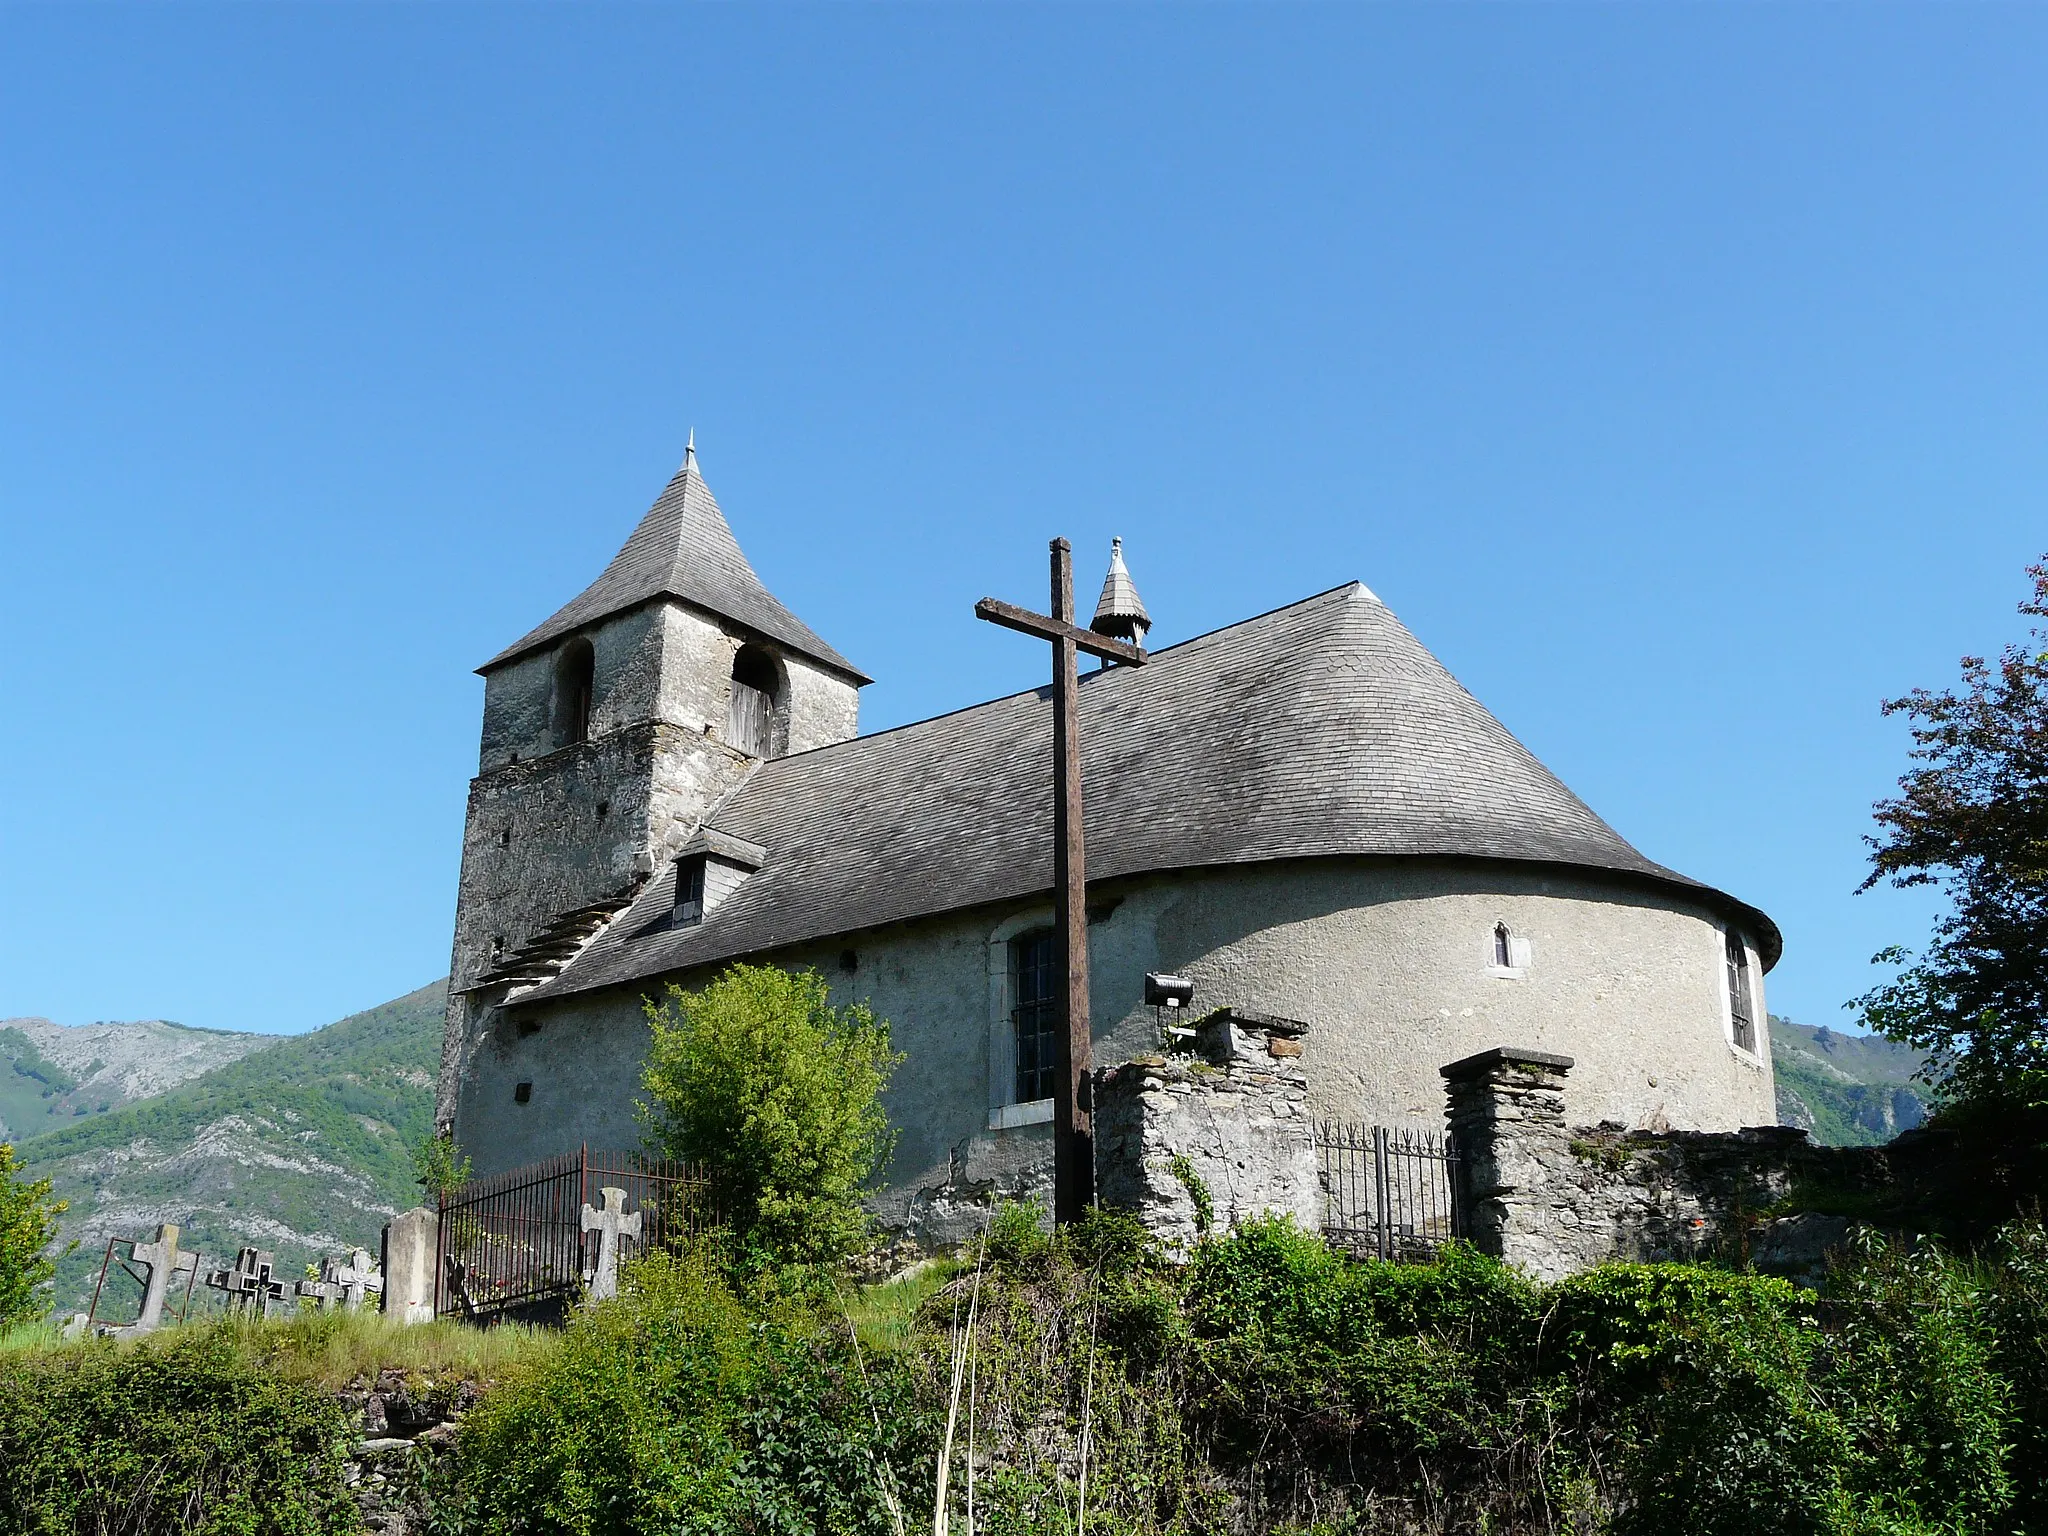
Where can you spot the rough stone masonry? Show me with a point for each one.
(1213, 1136)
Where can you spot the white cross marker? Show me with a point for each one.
(611, 1224)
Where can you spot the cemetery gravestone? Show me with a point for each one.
(165, 1264)
(249, 1286)
(610, 1224)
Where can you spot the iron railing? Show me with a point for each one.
(1389, 1193)
(516, 1239)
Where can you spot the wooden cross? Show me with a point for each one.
(1073, 1138)
(610, 1224)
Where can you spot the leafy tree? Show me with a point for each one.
(1972, 819)
(28, 1225)
(441, 1165)
(776, 1094)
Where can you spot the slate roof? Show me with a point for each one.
(1320, 729)
(684, 548)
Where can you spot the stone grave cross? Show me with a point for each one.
(610, 1224)
(249, 1286)
(359, 1278)
(345, 1280)
(165, 1263)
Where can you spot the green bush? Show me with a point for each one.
(184, 1436)
(2017, 1302)
(1690, 1389)
(776, 1094)
(1913, 1341)
(689, 1405)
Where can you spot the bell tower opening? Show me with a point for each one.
(575, 682)
(756, 691)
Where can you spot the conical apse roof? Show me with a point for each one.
(684, 549)
(1323, 729)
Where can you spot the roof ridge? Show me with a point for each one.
(1086, 677)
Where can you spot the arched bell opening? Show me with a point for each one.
(755, 711)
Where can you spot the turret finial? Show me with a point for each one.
(690, 448)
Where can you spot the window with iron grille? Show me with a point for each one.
(1035, 1014)
(1741, 1011)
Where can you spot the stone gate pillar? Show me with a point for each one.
(1507, 1126)
(411, 1249)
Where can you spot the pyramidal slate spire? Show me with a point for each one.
(685, 549)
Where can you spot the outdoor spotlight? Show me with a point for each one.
(1163, 991)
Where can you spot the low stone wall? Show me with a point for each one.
(1211, 1136)
(406, 1429)
(1553, 1199)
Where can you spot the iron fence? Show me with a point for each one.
(516, 1239)
(1390, 1193)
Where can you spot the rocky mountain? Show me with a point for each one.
(300, 1144)
(1845, 1089)
(52, 1074)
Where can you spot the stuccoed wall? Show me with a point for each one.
(1389, 961)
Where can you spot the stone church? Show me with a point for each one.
(1304, 813)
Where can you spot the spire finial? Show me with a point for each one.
(690, 448)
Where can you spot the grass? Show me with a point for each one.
(337, 1350)
(882, 1315)
(333, 1350)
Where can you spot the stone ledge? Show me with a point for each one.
(1509, 1056)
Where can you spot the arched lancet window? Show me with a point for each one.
(755, 684)
(1741, 1010)
(575, 681)
(1503, 946)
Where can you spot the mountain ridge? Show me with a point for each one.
(51, 1073)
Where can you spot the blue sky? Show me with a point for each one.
(1677, 373)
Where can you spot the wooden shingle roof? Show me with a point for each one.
(1323, 729)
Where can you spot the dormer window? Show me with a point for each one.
(575, 682)
(756, 683)
(690, 890)
(710, 867)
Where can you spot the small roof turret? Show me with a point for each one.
(1121, 612)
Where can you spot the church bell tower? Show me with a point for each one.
(609, 731)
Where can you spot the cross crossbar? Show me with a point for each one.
(1010, 616)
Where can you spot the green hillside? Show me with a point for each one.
(1844, 1089)
(302, 1147)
